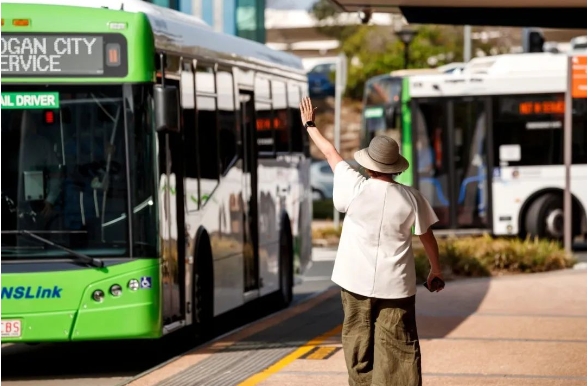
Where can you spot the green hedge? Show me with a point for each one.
(485, 255)
(323, 210)
(479, 256)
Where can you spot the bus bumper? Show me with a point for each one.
(86, 304)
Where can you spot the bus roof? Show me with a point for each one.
(419, 71)
(414, 71)
(497, 75)
(178, 32)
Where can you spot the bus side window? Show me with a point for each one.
(296, 125)
(207, 149)
(264, 117)
(188, 120)
(227, 118)
(280, 121)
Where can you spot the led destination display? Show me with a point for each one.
(54, 55)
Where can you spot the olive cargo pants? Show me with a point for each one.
(380, 341)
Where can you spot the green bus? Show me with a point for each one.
(155, 173)
(386, 111)
(486, 143)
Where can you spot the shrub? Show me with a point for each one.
(323, 210)
(485, 255)
(479, 256)
(327, 233)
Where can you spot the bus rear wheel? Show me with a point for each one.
(284, 295)
(545, 217)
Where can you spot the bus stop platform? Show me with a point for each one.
(512, 330)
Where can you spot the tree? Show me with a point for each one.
(375, 50)
(330, 23)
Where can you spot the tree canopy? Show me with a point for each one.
(374, 50)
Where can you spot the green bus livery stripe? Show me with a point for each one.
(406, 134)
(29, 100)
(81, 22)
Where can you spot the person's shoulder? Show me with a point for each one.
(413, 192)
(411, 189)
(343, 168)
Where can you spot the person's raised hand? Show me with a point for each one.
(306, 110)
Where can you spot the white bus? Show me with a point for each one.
(488, 145)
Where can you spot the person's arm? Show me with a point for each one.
(331, 154)
(432, 249)
(430, 244)
(425, 217)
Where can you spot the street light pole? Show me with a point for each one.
(406, 36)
(406, 55)
(467, 43)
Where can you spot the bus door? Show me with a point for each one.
(250, 205)
(450, 159)
(468, 123)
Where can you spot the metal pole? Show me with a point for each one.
(467, 43)
(525, 39)
(406, 56)
(568, 160)
(218, 15)
(337, 133)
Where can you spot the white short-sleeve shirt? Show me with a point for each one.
(375, 257)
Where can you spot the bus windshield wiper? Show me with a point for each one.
(80, 256)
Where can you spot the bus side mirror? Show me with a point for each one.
(391, 117)
(167, 108)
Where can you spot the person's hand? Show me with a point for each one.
(47, 210)
(433, 275)
(306, 110)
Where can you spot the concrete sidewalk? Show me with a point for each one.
(514, 330)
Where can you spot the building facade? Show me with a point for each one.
(244, 18)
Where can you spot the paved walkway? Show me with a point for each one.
(515, 330)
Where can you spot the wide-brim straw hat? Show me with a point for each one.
(382, 155)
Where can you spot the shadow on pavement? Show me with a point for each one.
(440, 313)
(437, 315)
(107, 359)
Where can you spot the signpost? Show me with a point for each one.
(576, 89)
(340, 84)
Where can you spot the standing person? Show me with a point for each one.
(375, 263)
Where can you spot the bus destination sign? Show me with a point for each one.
(52, 55)
(55, 55)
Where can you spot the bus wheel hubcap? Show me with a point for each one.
(554, 223)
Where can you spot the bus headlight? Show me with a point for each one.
(116, 290)
(133, 284)
(98, 296)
